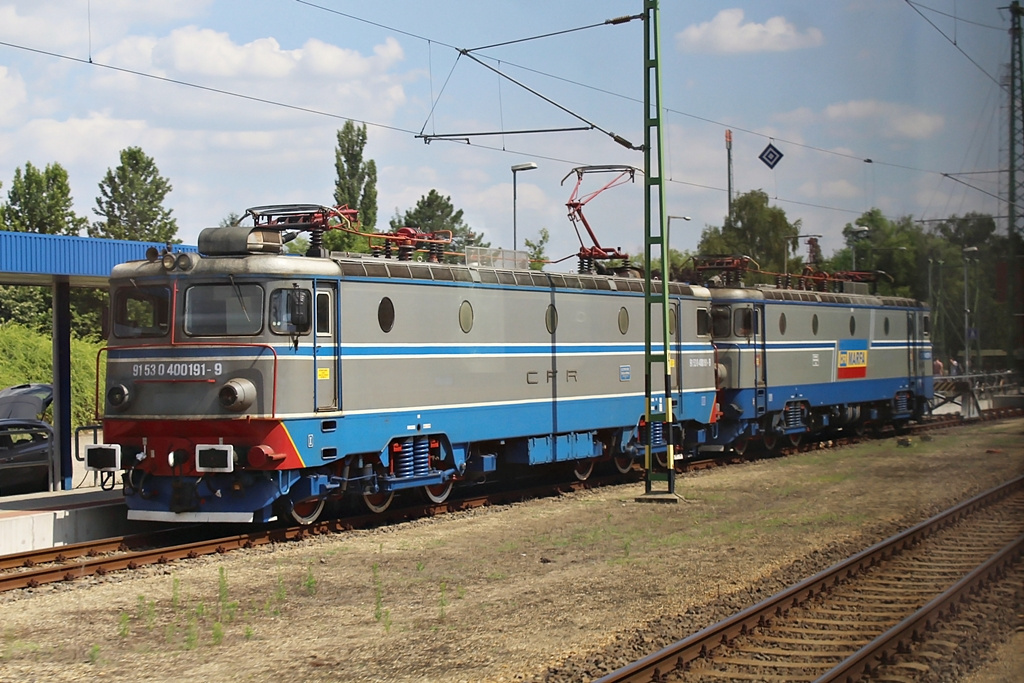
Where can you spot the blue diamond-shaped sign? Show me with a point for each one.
(771, 155)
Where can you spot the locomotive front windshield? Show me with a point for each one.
(141, 312)
(229, 310)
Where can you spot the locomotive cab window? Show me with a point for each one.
(141, 312)
(703, 322)
(926, 325)
(233, 310)
(290, 311)
(721, 321)
(743, 322)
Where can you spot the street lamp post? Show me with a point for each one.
(666, 257)
(529, 166)
(855, 233)
(967, 313)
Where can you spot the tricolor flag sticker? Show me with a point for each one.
(853, 359)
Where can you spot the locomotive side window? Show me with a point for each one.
(223, 310)
(721, 321)
(782, 324)
(886, 326)
(551, 318)
(466, 316)
(323, 313)
(853, 326)
(814, 325)
(927, 325)
(623, 320)
(289, 311)
(141, 312)
(386, 315)
(743, 322)
(703, 322)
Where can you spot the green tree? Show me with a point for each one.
(538, 249)
(355, 185)
(989, 266)
(757, 230)
(131, 201)
(890, 249)
(434, 213)
(40, 201)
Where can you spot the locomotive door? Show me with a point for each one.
(325, 347)
(760, 360)
(914, 369)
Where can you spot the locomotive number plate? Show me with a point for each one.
(176, 370)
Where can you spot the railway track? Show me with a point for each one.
(97, 558)
(862, 617)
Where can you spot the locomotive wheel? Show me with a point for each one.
(623, 463)
(582, 469)
(308, 511)
(739, 446)
(438, 493)
(378, 502)
(795, 440)
(661, 459)
(770, 441)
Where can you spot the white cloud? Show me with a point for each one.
(889, 119)
(58, 24)
(727, 34)
(12, 94)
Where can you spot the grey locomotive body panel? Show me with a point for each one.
(456, 337)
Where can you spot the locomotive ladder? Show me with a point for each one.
(656, 408)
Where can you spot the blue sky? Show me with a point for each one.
(911, 86)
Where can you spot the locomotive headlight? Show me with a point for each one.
(118, 396)
(183, 261)
(178, 457)
(167, 261)
(237, 394)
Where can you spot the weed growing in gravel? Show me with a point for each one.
(222, 587)
(94, 654)
(443, 602)
(309, 583)
(122, 624)
(225, 608)
(217, 633)
(379, 613)
(192, 631)
(145, 610)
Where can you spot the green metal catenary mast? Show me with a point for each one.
(657, 353)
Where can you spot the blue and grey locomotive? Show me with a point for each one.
(243, 383)
(821, 354)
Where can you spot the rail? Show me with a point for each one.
(679, 656)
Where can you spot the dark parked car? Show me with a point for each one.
(25, 439)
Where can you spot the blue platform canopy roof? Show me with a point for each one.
(28, 258)
(62, 262)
